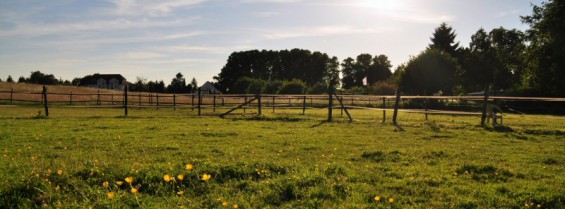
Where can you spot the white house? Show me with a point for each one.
(107, 81)
(208, 88)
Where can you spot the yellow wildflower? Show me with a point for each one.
(134, 190)
(120, 183)
(391, 199)
(105, 184)
(378, 198)
(206, 177)
(129, 179)
(235, 206)
(189, 166)
(111, 195)
(180, 192)
(60, 172)
(167, 178)
(225, 203)
(180, 177)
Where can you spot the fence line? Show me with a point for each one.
(240, 101)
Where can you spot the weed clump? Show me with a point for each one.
(486, 173)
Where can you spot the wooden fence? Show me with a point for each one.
(461, 105)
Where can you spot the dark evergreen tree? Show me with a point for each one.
(443, 39)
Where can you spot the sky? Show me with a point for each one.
(157, 39)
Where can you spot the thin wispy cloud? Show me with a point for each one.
(322, 31)
(40, 29)
(150, 7)
(269, 1)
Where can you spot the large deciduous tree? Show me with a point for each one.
(431, 72)
(546, 50)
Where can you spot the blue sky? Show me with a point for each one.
(157, 39)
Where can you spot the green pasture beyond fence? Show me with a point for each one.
(224, 104)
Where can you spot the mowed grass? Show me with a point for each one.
(281, 160)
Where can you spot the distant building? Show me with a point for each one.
(107, 81)
(208, 88)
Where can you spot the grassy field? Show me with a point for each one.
(97, 158)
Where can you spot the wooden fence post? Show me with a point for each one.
(426, 108)
(384, 109)
(274, 103)
(304, 105)
(214, 103)
(397, 100)
(245, 101)
(341, 98)
(259, 104)
(71, 98)
(126, 100)
(112, 95)
(192, 103)
(223, 104)
(157, 96)
(45, 101)
(139, 95)
(174, 102)
(330, 103)
(11, 95)
(98, 98)
(199, 102)
(485, 101)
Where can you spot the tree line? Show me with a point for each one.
(530, 63)
(178, 83)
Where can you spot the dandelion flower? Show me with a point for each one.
(120, 183)
(111, 195)
(180, 177)
(105, 184)
(180, 193)
(377, 198)
(225, 203)
(206, 177)
(189, 167)
(167, 178)
(391, 199)
(235, 206)
(129, 180)
(134, 190)
(57, 188)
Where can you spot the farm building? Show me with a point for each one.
(208, 88)
(107, 81)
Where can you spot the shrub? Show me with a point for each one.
(318, 88)
(272, 87)
(383, 88)
(292, 87)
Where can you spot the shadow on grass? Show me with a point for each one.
(319, 124)
(264, 118)
(499, 128)
(398, 128)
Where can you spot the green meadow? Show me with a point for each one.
(81, 158)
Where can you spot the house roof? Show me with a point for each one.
(94, 78)
(208, 87)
